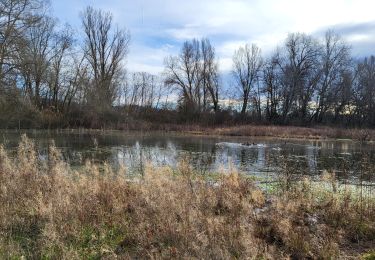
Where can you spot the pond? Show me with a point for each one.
(262, 157)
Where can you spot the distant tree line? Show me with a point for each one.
(51, 78)
(305, 81)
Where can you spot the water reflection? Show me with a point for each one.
(259, 157)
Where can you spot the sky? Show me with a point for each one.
(159, 27)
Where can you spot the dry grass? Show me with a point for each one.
(50, 211)
(297, 132)
(293, 132)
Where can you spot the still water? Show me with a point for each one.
(263, 157)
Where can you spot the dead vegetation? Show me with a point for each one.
(362, 135)
(52, 212)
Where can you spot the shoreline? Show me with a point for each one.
(241, 131)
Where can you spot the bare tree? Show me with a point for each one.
(146, 90)
(34, 58)
(184, 73)
(194, 72)
(105, 48)
(335, 62)
(60, 76)
(304, 81)
(364, 91)
(343, 100)
(271, 88)
(247, 64)
(16, 16)
(300, 73)
(77, 84)
(210, 75)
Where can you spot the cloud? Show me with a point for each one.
(159, 27)
(356, 28)
(361, 36)
(149, 59)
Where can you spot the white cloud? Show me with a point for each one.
(149, 59)
(358, 38)
(158, 27)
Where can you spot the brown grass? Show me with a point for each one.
(297, 132)
(293, 132)
(50, 211)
